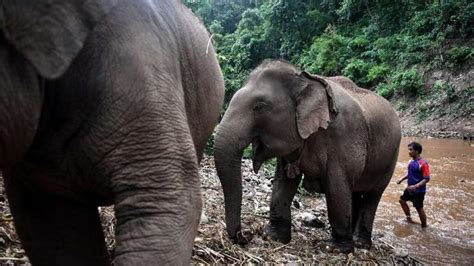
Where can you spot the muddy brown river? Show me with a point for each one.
(449, 205)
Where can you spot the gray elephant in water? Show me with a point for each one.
(105, 102)
(342, 138)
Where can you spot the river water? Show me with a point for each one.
(449, 205)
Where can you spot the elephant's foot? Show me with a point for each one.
(243, 237)
(334, 246)
(278, 231)
(362, 242)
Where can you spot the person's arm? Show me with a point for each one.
(418, 185)
(401, 179)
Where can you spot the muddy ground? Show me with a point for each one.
(212, 244)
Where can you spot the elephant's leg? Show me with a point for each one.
(356, 201)
(339, 204)
(55, 231)
(157, 196)
(283, 191)
(366, 208)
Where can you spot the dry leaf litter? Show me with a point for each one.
(310, 227)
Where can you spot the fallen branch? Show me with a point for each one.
(15, 259)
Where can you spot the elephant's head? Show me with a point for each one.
(276, 110)
(38, 40)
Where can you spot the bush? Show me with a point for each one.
(423, 112)
(407, 82)
(401, 106)
(445, 89)
(385, 90)
(446, 18)
(401, 82)
(358, 43)
(378, 73)
(357, 70)
(363, 40)
(327, 55)
(385, 49)
(461, 54)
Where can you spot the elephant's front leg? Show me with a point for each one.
(283, 191)
(54, 230)
(339, 205)
(157, 197)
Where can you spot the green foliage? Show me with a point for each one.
(450, 19)
(407, 82)
(385, 90)
(247, 154)
(378, 44)
(423, 111)
(209, 149)
(326, 54)
(401, 106)
(461, 54)
(358, 43)
(270, 166)
(357, 70)
(401, 82)
(444, 90)
(378, 73)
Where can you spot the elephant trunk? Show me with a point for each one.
(229, 145)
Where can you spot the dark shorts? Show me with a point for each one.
(417, 198)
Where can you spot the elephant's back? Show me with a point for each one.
(202, 79)
(376, 109)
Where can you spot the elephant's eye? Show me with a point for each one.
(260, 107)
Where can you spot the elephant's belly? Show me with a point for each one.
(312, 184)
(62, 184)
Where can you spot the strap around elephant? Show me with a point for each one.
(292, 166)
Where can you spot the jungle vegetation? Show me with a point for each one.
(382, 45)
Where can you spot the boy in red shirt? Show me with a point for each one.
(418, 175)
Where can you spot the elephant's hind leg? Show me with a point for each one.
(55, 231)
(339, 204)
(363, 217)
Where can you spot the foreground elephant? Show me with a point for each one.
(342, 138)
(105, 102)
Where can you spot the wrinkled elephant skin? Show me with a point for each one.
(105, 102)
(343, 139)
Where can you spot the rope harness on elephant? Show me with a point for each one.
(292, 167)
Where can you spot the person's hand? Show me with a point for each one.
(412, 188)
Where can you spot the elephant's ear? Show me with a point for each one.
(315, 105)
(50, 33)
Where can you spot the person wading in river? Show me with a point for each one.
(418, 175)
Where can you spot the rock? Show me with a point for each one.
(204, 219)
(402, 253)
(311, 220)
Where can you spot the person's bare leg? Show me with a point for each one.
(421, 213)
(406, 210)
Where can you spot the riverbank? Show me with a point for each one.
(310, 228)
(445, 109)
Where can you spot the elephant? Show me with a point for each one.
(106, 102)
(341, 140)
